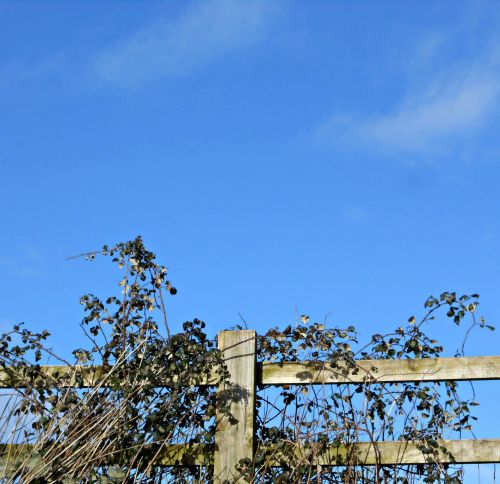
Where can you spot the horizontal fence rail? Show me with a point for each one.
(400, 452)
(367, 371)
(382, 371)
(235, 441)
(465, 451)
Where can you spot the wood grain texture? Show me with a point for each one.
(467, 451)
(386, 453)
(58, 375)
(372, 371)
(424, 369)
(235, 440)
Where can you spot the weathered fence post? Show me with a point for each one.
(235, 441)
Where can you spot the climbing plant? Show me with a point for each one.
(314, 417)
(142, 394)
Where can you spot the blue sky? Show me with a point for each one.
(281, 157)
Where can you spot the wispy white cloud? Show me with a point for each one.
(422, 120)
(452, 103)
(206, 31)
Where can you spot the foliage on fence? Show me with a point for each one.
(117, 430)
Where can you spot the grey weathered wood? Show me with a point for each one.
(465, 451)
(235, 440)
(423, 369)
(65, 375)
(25, 456)
(81, 375)
(386, 453)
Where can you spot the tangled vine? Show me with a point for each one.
(136, 392)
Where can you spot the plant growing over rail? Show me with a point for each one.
(135, 390)
(145, 395)
(348, 414)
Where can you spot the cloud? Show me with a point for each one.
(450, 110)
(447, 104)
(425, 119)
(206, 31)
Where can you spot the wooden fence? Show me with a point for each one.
(236, 441)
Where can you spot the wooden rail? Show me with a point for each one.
(382, 371)
(465, 451)
(368, 372)
(399, 452)
(236, 441)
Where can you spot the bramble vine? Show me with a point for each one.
(145, 394)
